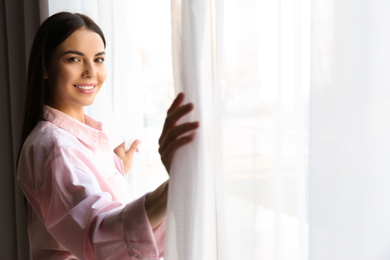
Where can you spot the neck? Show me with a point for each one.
(75, 112)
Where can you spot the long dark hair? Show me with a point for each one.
(53, 31)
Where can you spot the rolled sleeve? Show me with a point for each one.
(142, 241)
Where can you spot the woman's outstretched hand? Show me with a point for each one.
(175, 136)
(172, 138)
(127, 156)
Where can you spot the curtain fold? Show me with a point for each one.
(18, 23)
(192, 224)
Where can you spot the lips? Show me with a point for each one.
(86, 88)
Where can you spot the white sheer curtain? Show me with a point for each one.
(260, 100)
(193, 215)
(350, 126)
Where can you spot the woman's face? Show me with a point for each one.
(76, 71)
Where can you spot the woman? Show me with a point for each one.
(79, 206)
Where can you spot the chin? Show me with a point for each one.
(89, 102)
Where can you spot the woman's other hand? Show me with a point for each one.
(127, 156)
(175, 136)
(172, 138)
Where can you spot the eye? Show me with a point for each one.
(73, 59)
(99, 60)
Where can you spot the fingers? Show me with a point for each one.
(127, 156)
(174, 116)
(167, 155)
(178, 100)
(174, 133)
(175, 136)
(134, 147)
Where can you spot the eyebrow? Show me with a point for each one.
(82, 54)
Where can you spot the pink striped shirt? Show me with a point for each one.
(79, 204)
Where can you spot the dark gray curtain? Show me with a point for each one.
(19, 20)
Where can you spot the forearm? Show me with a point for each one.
(156, 205)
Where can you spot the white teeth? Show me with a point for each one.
(84, 87)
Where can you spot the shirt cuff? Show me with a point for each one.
(142, 241)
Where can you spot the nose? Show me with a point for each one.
(89, 70)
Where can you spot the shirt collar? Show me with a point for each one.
(88, 132)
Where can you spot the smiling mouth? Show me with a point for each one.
(85, 87)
